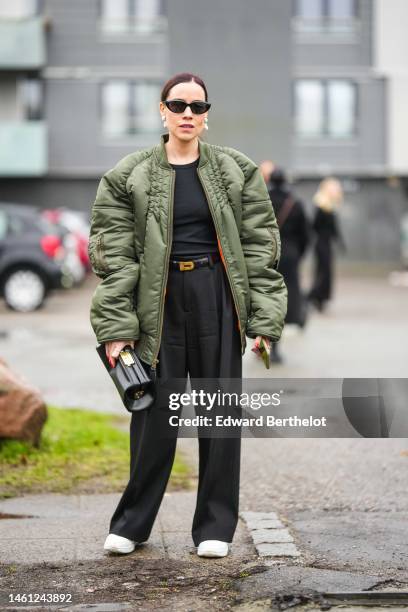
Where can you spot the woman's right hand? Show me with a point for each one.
(113, 348)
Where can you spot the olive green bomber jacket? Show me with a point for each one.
(131, 235)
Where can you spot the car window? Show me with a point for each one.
(3, 224)
(47, 227)
(18, 225)
(23, 223)
(27, 222)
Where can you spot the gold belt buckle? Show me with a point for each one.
(186, 265)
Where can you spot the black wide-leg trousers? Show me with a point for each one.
(201, 338)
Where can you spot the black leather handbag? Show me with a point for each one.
(135, 385)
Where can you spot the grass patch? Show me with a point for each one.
(80, 451)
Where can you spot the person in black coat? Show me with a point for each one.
(326, 228)
(295, 235)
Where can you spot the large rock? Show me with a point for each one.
(22, 409)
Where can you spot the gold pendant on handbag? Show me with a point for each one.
(126, 357)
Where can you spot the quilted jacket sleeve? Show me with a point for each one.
(112, 254)
(261, 245)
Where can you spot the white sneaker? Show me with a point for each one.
(212, 548)
(118, 544)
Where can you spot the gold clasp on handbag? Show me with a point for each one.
(127, 357)
(186, 265)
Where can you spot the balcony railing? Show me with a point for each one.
(23, 148)
(22, 43)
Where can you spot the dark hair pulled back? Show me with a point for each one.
(182, 77)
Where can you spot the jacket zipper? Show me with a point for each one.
(274, 242)
(169, 241)
(99, 254)
(226, 267)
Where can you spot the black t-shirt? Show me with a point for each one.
(193, 226)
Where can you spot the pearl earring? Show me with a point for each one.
(206, 123)
(164, 120)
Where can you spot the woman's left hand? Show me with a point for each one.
(266, 340)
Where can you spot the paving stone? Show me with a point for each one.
(179, 545)
(248, 515)
(277, 550)
(264, 524)
(91, 504)
(45, 505)
(72, 528)
(30, 551)
(271, 536)
(20, 530)
(172, 519)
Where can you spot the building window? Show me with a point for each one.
(114, 16)
(130, 108)
(341, 9)
(325, 15)
(325, 108)
(31, 95)
(3, 225)
(341, 105)
(309, 9)
(16, 9)
(119, 17)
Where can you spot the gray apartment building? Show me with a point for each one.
(319, 86)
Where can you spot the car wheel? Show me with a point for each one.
(24, 290)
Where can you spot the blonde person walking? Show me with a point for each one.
(325, 225)
(184, 238)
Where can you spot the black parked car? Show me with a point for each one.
(31, 257)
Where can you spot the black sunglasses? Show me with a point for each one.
(198, 107)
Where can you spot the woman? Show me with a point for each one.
(325, 224)
(184, 238)
(295, 234)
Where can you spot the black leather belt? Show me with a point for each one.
(191, 264)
